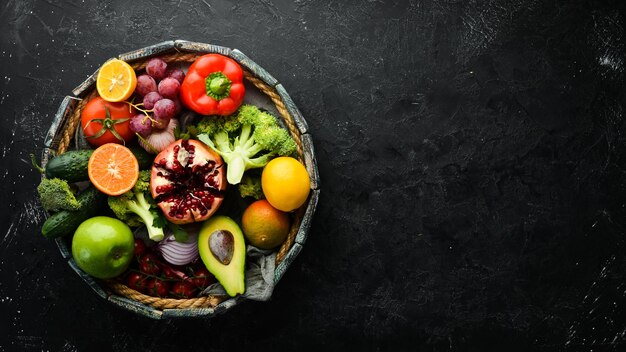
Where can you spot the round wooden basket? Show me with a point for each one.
(60, 138)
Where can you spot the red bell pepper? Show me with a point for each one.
(213, 86)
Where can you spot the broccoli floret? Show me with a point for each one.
(250, 186)
(136, 207)
(247, 140)
(55, 195)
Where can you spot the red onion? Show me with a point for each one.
(179, 253)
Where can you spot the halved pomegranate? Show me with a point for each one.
(187, 181)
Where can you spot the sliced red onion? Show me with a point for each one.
(179, 253)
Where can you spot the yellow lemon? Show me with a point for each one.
(116, 81)
(285, 183)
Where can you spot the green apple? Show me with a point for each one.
(103, 247)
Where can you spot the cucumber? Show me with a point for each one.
(66, 222)
(72, 166)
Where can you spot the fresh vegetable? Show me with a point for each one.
(187, 181)
(106, 122)
(137, 281)
(179, 253)
(201, 277)
(148, 264)
(246, 140)
(103, 247)
(250, 186)
(213, 85)
(136, 207)
(55, 194)
(72, 165)
(183, 289)
(66, 221)
(157, 287)
(116, 81)
(286, 183)
(140, 247)
(113, 169)
(171, 272)
(158, 140)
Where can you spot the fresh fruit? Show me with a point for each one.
(201, 278)
(116, 81)
(264, 226)
(164, 110)
(188, 181)
(72, 166)
(285, 183)
(141, 124)
(169, 87)
(106, 122)
(223, 252)
(156, 68)
(145, 85)
(113, 169)
(65, 222)
(183, 289)
(103, 247)
(178, 104)
(137, 281)
(157, 287)
(148, 264)
(176, 73)
(150, 99)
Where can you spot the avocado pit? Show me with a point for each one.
(222, 245)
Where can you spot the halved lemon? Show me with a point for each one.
(116, 81)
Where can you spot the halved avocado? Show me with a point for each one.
(223, 251)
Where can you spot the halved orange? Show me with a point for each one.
(116, 80)
(113, 169)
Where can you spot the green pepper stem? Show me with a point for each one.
(217, 85)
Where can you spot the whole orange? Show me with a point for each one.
(264, 226)
(285, 183)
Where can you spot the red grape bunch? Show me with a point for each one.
(158, 88)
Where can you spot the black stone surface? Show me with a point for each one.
(472, 163)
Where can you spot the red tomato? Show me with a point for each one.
(202, 278)
(137, 281)
(183, 290)
(158, 287)
(140, 247)
(98, 129)
(148, 264)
